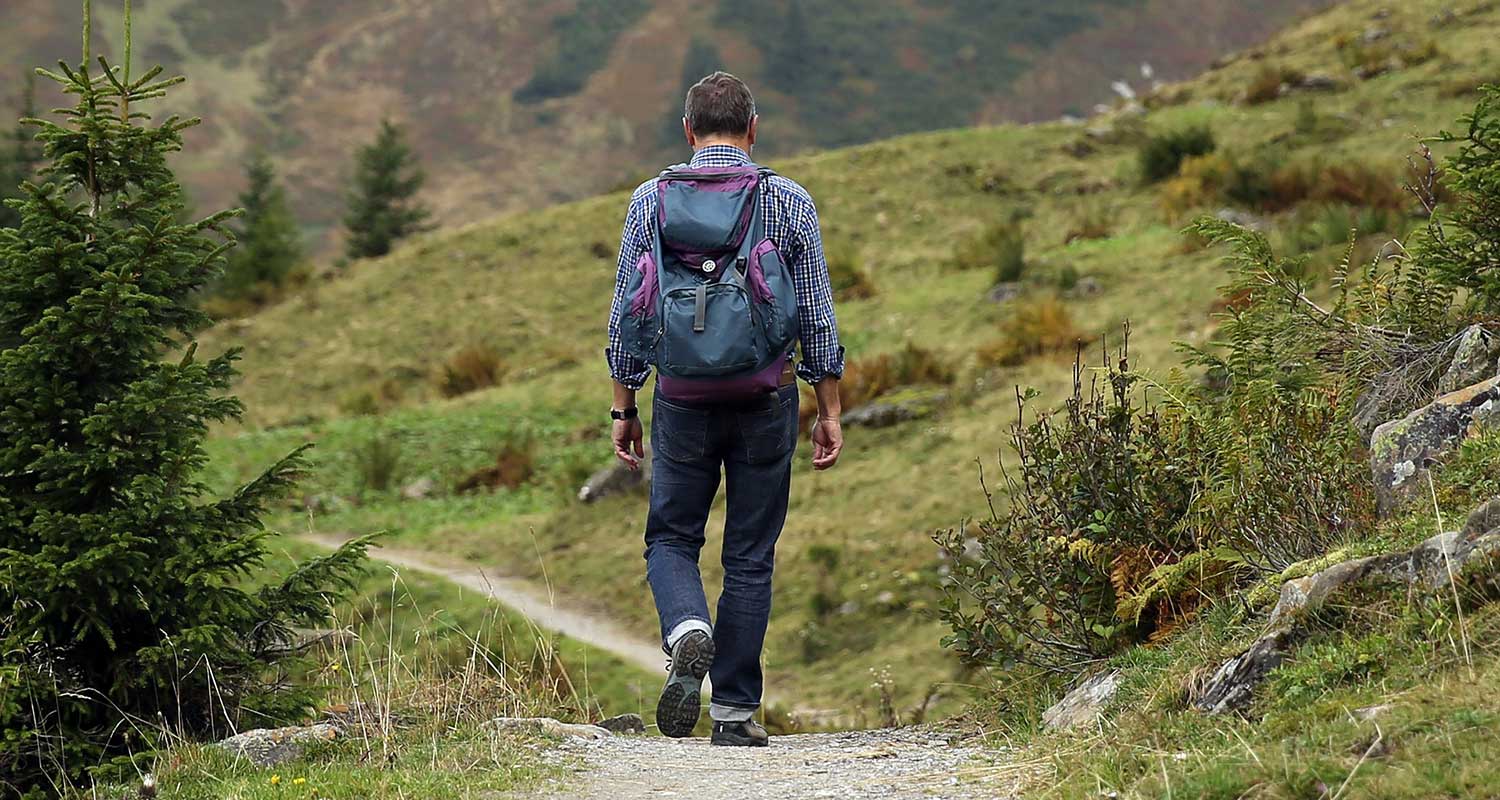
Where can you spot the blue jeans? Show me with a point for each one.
(753, 443)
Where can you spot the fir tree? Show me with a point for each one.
(125, 609)
(269, 245)
(18, 162)
(382, 206)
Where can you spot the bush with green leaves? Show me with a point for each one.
(1162, 154)
(1124, 516)
(128, 613)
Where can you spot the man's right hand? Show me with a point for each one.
(629, 436)
(828, 442)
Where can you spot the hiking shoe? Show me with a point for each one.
(678, 709)
(740, 734)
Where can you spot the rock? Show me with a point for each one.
(624, 723)
(1371, 712)
(1004, 292)
(1374, 33)
(1086, 287)
(1319, 82)
(1244, 219)
(267, 747)
(1425, 565)
(1084, 704)
(1430, 566)
(1485, 519)
(419, 489)
(894, 410)
(549, 727)
(616, 479)
(1473, 359)
(1402, 450)
(1232, 687)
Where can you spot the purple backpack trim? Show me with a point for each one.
(757, 275)
(644, 301)
(714, 390)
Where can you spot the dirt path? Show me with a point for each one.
(525, 599)
(894, 764)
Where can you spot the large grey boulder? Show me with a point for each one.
(1401, 451)
(1085, 704)
(1473, 360)
(267, 747)
(616, 479)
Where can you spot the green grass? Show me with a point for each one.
(428, 760)
(531, 287)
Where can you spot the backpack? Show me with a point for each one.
(711, 305)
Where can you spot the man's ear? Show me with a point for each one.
(754, 127)
(687, 130)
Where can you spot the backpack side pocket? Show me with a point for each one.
(771, 282)
(638, 321)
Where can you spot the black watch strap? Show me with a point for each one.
(629, 413)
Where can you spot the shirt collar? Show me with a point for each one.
(720, 155)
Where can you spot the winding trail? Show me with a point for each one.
(522, 597)
(920, 763)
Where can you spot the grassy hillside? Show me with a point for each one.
(354, 363)
(518, 102)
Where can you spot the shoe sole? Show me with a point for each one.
(737, 741)
(678, 709)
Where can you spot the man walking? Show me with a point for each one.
(721, 272)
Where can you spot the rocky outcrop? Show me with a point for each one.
(616, 479)
(1485, 519)
(1474, 360)
(1401, 451)
(546, 726)
(1232, 687)
(1430, 566)
(267, 747)
(895, 409)
(1085, 704)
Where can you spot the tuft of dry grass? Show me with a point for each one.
(473, 368)
(515, 464)
(1038, 327)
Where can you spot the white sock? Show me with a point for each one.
(685, 627)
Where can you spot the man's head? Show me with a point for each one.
(720, 110)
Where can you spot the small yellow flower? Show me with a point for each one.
(335, 666)
(298, 781)
(275, 779)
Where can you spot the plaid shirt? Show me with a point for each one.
(791, 221)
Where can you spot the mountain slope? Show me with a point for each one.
(857, 568)
(517, 103)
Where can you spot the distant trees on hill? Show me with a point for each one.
(269, 242)
(382, 204)
(19, 157)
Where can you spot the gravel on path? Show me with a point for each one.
(893, 764)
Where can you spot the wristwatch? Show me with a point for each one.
(629, 413)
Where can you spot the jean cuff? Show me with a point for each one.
(685, 627)
(723, 713)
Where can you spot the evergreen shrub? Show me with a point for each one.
(135, 606)
(1162, 154)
